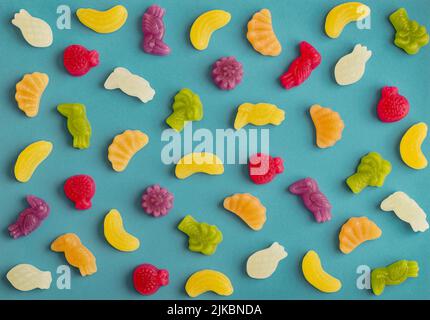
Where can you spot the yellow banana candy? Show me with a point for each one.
(203, 27)
(103, 21)
(116, 235)
(203, 162)
(316, 276)
(30, 158)
(341, 15)
(410, 146)
(208, 280)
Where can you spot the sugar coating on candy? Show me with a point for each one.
(80, 189)
(153, 31)
(78, 60)
(263, 168)
(313, 199)
(30, 218)
(301, 68)
(157, 201)
(147, 278)
(392, 106)
(227, 73)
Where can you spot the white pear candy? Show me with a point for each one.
(350, 68)
(406, 209)
(25, 277)
(34, 30)
(129, 83)
(263, 263)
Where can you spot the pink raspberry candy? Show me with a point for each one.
(157, 201)
(227, 73)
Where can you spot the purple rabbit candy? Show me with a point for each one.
(153, 31)
(30, 218)
(313, 199)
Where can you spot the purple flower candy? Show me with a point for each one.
(157, 201)
(227, 73)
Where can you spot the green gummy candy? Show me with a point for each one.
(203, 237)
(77, 123)
(186, 107)
(372, 171)
(393, 275)
(410, 35)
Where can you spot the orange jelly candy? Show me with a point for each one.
(248, 208)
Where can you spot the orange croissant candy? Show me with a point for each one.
(76, 253)
(328, 125)
(356, 231)
(261, 35)
(29, 91)
(248, 208)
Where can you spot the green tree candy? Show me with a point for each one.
(203, 237)
(77, 123)
(410, 35)
(371, 171)
(393, 275)
(186, 107)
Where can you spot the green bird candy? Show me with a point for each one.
(77, 123)
(203, 237)
(371, 171)
(393, 275)
(186, 107)
(410, 35)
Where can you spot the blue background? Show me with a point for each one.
(111, 112)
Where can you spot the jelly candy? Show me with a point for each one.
(392, 106)
(406, 209)
(227, 73)
(203, 27)
(76, 253)
(410, 35)
(410, 146)
(147, 279)
(262, 168)
(107, 21)
(131, 84)
(157, 201)
(203, 238)
(261, 35)
(372, 171)
(25, 277)
(77, 123)
(350, 68)
(80, 189)
(356, 231)
(30, 218)
(328, 126)
(124, 146)
(313, 199)
(29, 91)
(153, 31)
(78, 60)
(258, 114)
(316, 276)
(208, 280)
(301, 68)
(393, 275)
(116, 235)
(30, 158)
(248, 208)
(263, 263)
(186, 107)
(198, 162)
(34, 30)
(342, 14)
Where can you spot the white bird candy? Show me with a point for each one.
(25, 277)
(263, 263)
(350, 68)
(34, 30)
(129, 83)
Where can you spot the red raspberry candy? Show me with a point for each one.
(78, 60)
(80, 189)
(263, 168)
(392, 107)
(147, 279)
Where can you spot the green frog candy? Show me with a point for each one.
(371, 171)
(77, 123)
(186, 107)
(203, 237)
